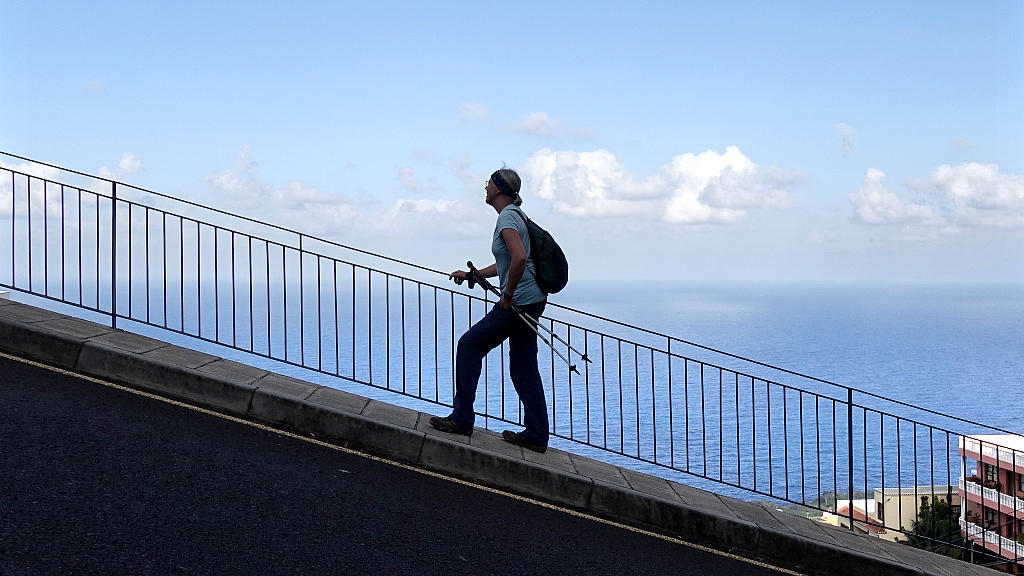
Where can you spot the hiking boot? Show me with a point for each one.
(518, 439)
(448, 425)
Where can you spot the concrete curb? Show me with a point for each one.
(558, 477)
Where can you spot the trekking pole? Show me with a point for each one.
(530, 320)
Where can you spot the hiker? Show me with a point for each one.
(515, 271)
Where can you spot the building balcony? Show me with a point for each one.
(996, 449)
(992, 541)
(1005, 503)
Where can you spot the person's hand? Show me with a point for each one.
(459, 277)
(506, 302)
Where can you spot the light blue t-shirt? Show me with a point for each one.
(527, 291)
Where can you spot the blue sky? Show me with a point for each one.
(750, 142)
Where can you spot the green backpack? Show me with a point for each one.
(549, 263)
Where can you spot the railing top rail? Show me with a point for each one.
(551, 304)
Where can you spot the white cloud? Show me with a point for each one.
(980, 195)
(536, 124)
(847, 138)
(541, 125)
(474, 112)
(94, 87)
(407, 179)
(874, 204)
(965, 195)
(963, 144)
(128, 165)
(294, 204)
(692, 189)
(328, 215)
(33, 170)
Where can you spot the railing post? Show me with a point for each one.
(113, 254)
(849, 429)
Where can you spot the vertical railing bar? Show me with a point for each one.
(113, 251)
(403, 336)
(501, 388)
(46, 241)
(568, 374)
(785, 438)
(753, 430)
(881, 444)
(817, 457)
(234, 295)
(181, 271)
(835, 458)
(14, 219)
(320, 314)
(80, 296)
(949, 482)
(163, 230)
(199, 278)
(252, 311)
(703, 423)
(917, 511)
(284, 285)
(899, 470)
(931, 471)
(369, 323)
(803, 477)
(636, 380)
(302, 303)
(131, 264)
(437, 372)
(849, 435)
(768, 415)
(419, 338)
(266, 248)
(686, 405)
(454, 343)
(63, 274)
(671, 423)
(654, 409)
(387, 330)
(554, 404)
(97, 251)
(29, 195)
(354, 322)
(739, 475)
(216, 283)
(337, 319)
(147, 278)
(721, 429)
(586, 377)
(865, 449)
(604, 396)
(622, 422)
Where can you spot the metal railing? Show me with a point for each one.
(656, 402)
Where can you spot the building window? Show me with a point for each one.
(990, 518)
(1020, 484)
(991, 473)
(880, 507)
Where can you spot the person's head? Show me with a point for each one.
(506, 182)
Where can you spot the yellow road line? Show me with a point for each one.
(405, 466)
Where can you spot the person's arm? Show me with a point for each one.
(517, 252)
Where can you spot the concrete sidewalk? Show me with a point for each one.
(401, 434)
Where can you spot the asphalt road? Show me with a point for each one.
(97, 480)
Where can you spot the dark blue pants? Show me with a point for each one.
(485, 336)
